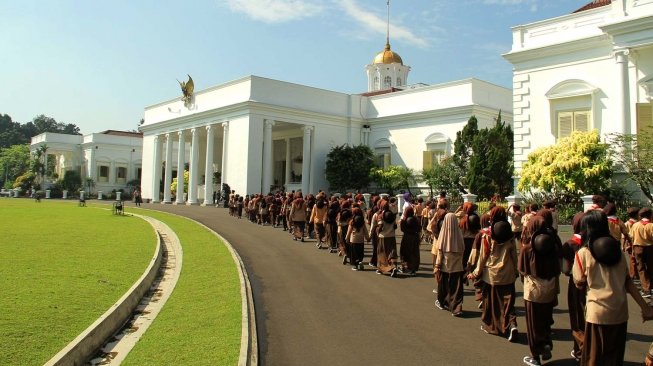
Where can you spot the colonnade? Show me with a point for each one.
(193, 163)
(194, 159)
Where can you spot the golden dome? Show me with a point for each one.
(387, 57)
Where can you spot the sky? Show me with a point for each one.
(98, 64)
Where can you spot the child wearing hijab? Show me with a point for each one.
(298, 216)
(357, 236)
(409, 250)
(540, 267)
(497, 267)
(575, 297)
(448, 266)
(602, 268)
(385, 226)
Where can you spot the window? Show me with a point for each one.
(431, 157)
(387, 82)
(570, 121)
(383, 153)
(103, 174)
(121, 175)
(398, 81)
(645, 118)
(377, 83)
(139, 170)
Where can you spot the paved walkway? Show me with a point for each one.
(312, 310)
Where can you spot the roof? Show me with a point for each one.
(122, 133)
(594, 4)
(387, 56)
(379, 92)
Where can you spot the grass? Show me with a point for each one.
(62, 267)
(201, 322)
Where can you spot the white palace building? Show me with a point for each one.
(262, 134)
(592, 69)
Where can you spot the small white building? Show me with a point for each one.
(111, 158)
(592, 69)
(262, 134)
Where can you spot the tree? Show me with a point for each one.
(26, 181)
(14, 133)
(38, 163)
(443, 176)
(491, 164)
(71, 181)
(89, 183)
(462, 147)
(14, 162)
(577, 165)
(634, 154)
(348, 167)
(393, 177)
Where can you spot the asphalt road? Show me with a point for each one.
(312, 310)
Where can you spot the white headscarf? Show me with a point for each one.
(451, 237)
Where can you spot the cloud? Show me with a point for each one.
(276, 11)
(531, 3)
(376, 24)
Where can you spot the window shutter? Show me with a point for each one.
(386, 160)
(644, 118)
(565, 120)
(582, 121)
(427, 161)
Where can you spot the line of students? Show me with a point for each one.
(484, 249)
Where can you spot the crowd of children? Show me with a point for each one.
(604, 259)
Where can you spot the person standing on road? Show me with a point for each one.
(357, 235)
(539, 264)
(298, 216)
(576, 298)
(602, 268)
(385, 225)
(497, 267)
(409, 250)
(642, 236)
(318, 218)
(448, 268)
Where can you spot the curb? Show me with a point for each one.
(249, 338)
(86, 344)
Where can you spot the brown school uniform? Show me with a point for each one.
(409, 250)
(357, 239)
(497, 267)
(387, 246)
(607, 309)
(576, 298)
(642, 237)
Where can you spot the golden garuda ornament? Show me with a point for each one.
(187, 88)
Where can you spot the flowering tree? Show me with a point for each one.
(634, 154)
(173, 185)
(576, 165)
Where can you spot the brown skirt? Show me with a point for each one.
(576, 299)
(450, 290)
(409, 251)
(538, 326)
(499, 309)
(386, 252)
(605, 345)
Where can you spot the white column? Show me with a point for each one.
(225, 151)
(92, 167)
(622, 96)
(288, 162)
(194, 162)
(167, 194)
(181, 161)
(156, 171)
(267, 156)
(112, 168)
(306, 160)
(208, 170)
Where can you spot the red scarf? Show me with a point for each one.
(576, 239)
(632, 221)
(644, 221)
(613, 219)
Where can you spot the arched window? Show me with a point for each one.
(377, 84)
(437, 147)
(571, 107)
(398, 81)
(387, 82)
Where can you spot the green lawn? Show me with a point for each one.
(61, 267)
(201, 322)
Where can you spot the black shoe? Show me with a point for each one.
(344, 259)
(393, 273)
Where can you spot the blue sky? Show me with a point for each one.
(98, 64)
